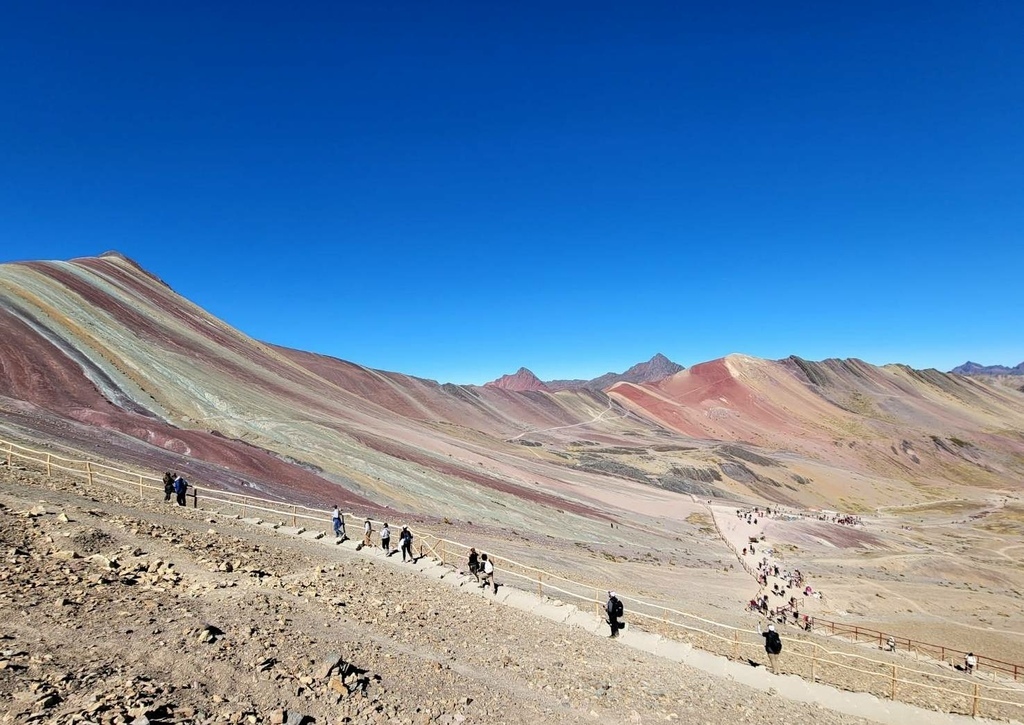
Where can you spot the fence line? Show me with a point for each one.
(819, 656)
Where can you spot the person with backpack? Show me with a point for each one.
(180, 487)
(168, 485)
(488, 569)
(474, 564)
(405, 543)
(772, 645)
(614, 609)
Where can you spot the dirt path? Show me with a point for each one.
(129, 610)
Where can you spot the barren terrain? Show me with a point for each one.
(116, 610)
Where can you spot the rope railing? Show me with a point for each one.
(718, 638)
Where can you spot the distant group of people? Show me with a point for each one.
(405, 537)
(482, 564)
(174, 483)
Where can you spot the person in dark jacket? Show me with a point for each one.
(772, 645)
(614, 609)
(168, 485)
(180, 487)
(474, 564)
(405, 543)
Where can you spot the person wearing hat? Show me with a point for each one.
(613, 608)
(772, 645)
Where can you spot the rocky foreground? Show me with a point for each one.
(115, 610)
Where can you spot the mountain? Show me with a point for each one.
(521, 380)
(973, 368)
(657, 368)
(99, 356)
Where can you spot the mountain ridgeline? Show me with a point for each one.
(98, 355)
(657, 368)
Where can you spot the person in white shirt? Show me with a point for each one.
(338, 522)
(385, 538)
(970, 662)
(488, 566)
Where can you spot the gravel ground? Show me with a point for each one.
(115, 610)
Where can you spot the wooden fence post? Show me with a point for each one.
(293, 516)
(974, 706)
(244, 500)
(540, 584)
(441, 547)
(141, 494)
(88, 471)
(735, 644)
(892, 688)
(48, 472)
(10, 454)
(814, 662)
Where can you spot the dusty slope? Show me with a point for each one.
(203, 620)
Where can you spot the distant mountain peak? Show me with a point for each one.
(657, 368)
(520, 381)
(973, 368)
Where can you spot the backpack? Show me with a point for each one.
(617, 607)
(773, 643)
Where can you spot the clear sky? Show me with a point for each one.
(455, 190)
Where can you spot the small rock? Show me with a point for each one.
(329, 663)
(48, 700)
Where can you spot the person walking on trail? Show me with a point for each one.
(970, 662)
(367, 532)
(339, 523)
(180, 487)
(385, 539)
(488, 569)
(405, 543)
(772, 645)
(614, 609)
(474, 564)
(168, 485)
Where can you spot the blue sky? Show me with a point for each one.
(455, 190)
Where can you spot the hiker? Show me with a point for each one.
(385, 539)
(613, 608)
(339, 523)
(772, 645)
(970, 662)
(168, 485)
(488, 569)
(180, 487)
(890, 645)
(474, 564)
(367, 532)
(405, 542)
